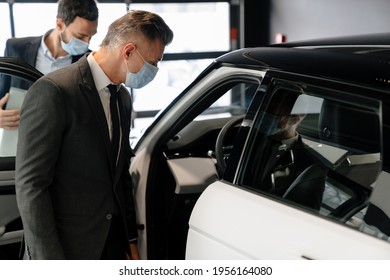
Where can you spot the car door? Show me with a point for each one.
(15, 78)
(333, 208)
(175, 159)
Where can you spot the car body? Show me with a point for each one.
(337, 209)
(212, 182)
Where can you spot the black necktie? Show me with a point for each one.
(115, 123)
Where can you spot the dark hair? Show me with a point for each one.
(137, 22)
(68, 10)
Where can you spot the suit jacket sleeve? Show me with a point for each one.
(41, 127)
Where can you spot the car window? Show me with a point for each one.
(223, 103)
(234, 101)
(320, 151)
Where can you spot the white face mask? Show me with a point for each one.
(142, 77)
(75, 46)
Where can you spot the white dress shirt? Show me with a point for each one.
(101, 83)
(46, 63)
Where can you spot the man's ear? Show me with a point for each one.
(128, 49)
(60, 24)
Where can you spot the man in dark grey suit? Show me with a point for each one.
(74, 191)
(75, 25)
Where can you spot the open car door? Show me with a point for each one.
(16, 77)
(321, 194)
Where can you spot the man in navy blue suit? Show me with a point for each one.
(76, 23)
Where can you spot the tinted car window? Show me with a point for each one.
(316, 150)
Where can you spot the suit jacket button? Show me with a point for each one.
(108, 216)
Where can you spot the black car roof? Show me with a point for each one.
(357, 59)
(367, 39)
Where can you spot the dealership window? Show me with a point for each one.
(192, 35)
(196, 42)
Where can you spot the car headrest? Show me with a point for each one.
(350, 127)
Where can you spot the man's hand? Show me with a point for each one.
(9, 119)
(134, 255)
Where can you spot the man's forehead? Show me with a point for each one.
(80, 24)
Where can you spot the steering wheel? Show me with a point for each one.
(220, 154)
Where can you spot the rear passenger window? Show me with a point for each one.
(316, 150)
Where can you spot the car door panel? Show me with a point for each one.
(256, 227)
(193, 174)
(259, 213)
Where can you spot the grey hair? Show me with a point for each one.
(134, 23)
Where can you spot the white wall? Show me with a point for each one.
(309, 19)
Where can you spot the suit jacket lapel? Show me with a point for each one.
(87, 86)
(93, 99)
(32, 50)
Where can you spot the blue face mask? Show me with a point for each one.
(142, 77)
(75, 46)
